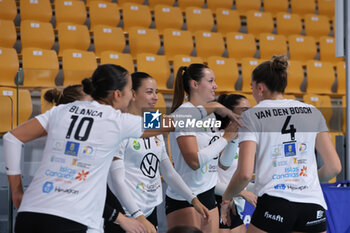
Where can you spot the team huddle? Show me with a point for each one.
(101, 171)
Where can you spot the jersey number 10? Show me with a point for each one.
(77, 134)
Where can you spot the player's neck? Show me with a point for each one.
(273, 96)
(132, 109)
(196, 100)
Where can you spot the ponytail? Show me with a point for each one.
(179, 89)
(182, 82)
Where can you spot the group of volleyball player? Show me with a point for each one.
(101, 170)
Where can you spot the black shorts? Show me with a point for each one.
(235, 219)
(207, 199)
(116, 228)
(274, 214)
(30, 222)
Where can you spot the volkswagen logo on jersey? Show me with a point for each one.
(149, 165)
(151, 120)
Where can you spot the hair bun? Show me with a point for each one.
(279, 63)
(53, 96)
(87, 85)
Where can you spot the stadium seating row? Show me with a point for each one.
(40, 68)
(144, 40)
(43, 8)
(107, 13)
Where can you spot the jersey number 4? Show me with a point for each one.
(291, 129)
(78, 135)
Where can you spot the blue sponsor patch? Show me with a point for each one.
(72, 148)
(280, 186)
(47, 187)
(289, 150)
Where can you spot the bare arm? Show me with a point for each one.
(332, 165)
(244, 170)
(189, 149)
(29, 130)
(15, 182)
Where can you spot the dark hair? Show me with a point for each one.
(137, 78)
(105, 78)
(67, 95)
(184, 229)
(182, 82)
(272, 73)
(230, 102)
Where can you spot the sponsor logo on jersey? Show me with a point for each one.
(303, 171)
(57, 145)
(277, 218)
(82, 175)
(277, 151)
(149, 165)
(204, 168)
(151, 119)
(299, 161)
(47, 187)
(280, 186)
(66, 190)
(281, 163)
(289, 149)
(136, 145)
(289, 172)
(72, 148)
(55, 159)
(76, 162)
(302, 148)
(88, 150)
(64, 173)
(300, 188)
(140, 187)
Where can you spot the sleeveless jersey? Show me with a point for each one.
(285, 163)
(71, 180)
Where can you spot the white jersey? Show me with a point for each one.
(82, 139)
(142, 157)
(285, 163)
(204, 178)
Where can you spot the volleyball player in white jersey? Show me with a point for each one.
(113, 211)
(280, 137)
(238, 104)
(135, 173)
(67, 193)
(195, 152)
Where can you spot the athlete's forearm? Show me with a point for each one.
(174, 180)
(117, 173)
